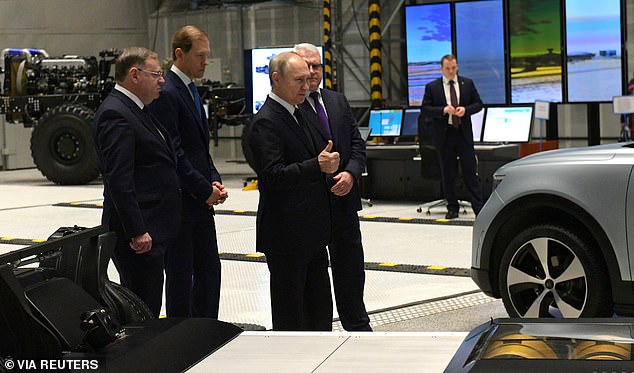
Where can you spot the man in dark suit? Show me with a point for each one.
(293, 222)
(142, 197)
(448, 104)
(330, 114)
(193, 266)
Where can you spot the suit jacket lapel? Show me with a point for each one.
(440, 86)
(463, 94)
(164, 136)
(151, 125)
(154, 128)
(291, 124)
(187, 97)
(313, 121)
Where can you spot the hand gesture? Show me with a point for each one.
(328, 162)
(224, 194)
(343, 183)
(218, 195)
(141, 244)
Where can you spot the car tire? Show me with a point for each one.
(552, 271)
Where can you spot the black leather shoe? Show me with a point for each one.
(451, 215)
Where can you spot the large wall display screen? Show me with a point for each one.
(593, 43)
(535, 43)
(480, 47)
(428, 38)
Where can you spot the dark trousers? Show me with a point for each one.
(192, 268)
(457, 145)
(300, 291)
(141, 273)
(348, 274)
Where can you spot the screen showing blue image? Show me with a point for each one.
(427, 38)
(410, 122)
(508, 124)
(480, 47)
(256, 74)
(386, 122)
(593, 41)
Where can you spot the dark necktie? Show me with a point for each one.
(302, 124)
(146, 111)
(197, 101)
(321, 113)
(455, 120)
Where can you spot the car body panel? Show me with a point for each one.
(596, 179)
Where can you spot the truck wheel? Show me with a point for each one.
(62, 146)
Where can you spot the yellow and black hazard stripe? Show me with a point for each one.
(376, 79)
(367, 218)
(328, 76)
(261, 258)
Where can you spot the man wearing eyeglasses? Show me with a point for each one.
(142, 196)
(332, 118)
(193, 266)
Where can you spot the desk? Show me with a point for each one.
(394, 172)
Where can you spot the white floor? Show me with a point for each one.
(27, 212)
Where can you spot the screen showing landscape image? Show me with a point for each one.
(428, 38)
(593, 41)
(535, 43)
(480, 47)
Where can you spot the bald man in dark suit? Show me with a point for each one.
(293, 222)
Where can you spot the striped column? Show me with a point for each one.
(327, 47)
(376, 80)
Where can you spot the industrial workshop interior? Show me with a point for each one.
(316, 186)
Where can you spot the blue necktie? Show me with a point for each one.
(197, 102)
(321, 113)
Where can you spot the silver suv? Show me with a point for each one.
(552, 240)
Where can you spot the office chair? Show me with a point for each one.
(365, 134)
(430, 167)
(430, 170)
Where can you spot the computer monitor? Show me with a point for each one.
(477, 121)
(504, 124)
(386, 122)
(410, 122)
